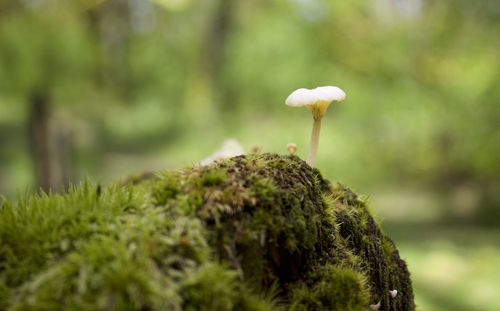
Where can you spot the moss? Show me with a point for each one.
(4, 295)
(256, 232)
(335, 288)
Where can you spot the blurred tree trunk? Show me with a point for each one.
(51, 147)
(110, 25)
(39, 137)
(205, 89)
(217, 41)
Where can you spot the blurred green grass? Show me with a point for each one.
(452, 268)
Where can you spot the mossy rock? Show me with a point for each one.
(256, 232)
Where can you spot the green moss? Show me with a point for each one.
(166, 188)
(212, 178)
(218, 237)
(335, 288)
(4, 295)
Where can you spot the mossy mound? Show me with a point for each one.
(256, 232)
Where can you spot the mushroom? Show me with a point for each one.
(376, 306)
(230, 148)
(393, 293)
(292, 148)
(317, 100)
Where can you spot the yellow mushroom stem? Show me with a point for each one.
(313, 148)
(318, 110)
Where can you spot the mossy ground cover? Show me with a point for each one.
(255, 232)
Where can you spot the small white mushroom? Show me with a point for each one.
(393, 293)
(376, 306)
(292, 148)
(230, 148)
(317, 100)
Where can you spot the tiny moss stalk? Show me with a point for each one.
(313, 149)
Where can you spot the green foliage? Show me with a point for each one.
(53, 57)
(215, 237)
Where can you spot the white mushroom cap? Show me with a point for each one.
(317, 100)
(230, 148)
(330, 93)
(300, 97)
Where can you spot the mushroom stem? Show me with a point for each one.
(314, 141)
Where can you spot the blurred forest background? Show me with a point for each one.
(108, 88)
